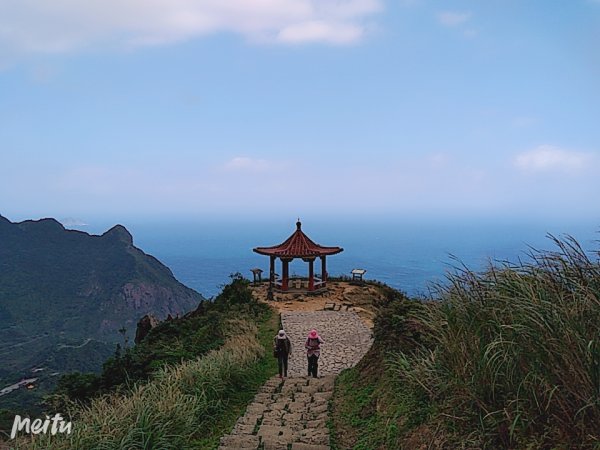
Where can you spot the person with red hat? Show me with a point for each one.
(313, 351)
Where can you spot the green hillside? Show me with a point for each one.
(182, 386)
(508, 358)
(67, 298)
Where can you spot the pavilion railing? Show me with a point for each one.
(299, 283)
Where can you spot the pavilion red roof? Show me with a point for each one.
(298, 245)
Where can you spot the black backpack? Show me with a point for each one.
(282, 345)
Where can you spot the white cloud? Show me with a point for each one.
(453, 18)
(550, 158)
(438, 159)
(245, 164)
(70, 222)
(318, 31)
(66, 25)
(433, 183)
(408, 3)
(524, 121)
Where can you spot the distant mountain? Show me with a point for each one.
(66, 293)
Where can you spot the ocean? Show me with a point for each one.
(407, 256)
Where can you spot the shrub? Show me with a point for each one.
(172, 409)
(513, 354)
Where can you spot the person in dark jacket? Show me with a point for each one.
(313, 351)
(283, 348)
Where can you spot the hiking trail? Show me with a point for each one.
(293, 413)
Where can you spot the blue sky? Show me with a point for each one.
(271, 108)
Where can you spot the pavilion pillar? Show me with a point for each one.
(285, 274)
(323, 270)
(311, 274)
(272, 270)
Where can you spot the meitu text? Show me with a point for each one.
(52, 425)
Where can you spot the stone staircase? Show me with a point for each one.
(291, 414)
(285, 414)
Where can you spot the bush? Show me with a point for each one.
(172, 409)
(512, 355)
(170, 342)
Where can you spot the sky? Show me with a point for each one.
(272, 108)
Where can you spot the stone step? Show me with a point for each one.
(300, 446)
(293, 412)
(240, 441)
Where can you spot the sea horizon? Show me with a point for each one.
(412, 257)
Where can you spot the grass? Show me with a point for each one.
(515, 351)
(505, 358)
(188, 405)
(262, 370)
(371, 410)
(172, 410)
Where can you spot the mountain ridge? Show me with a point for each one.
(61, 287)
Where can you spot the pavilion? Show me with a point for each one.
(298, 245)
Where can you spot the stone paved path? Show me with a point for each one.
(346, 338)
(292, 413)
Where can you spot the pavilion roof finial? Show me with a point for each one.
(298, 245)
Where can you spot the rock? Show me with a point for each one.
(198, 312)
(144, 326)
(300, 446)
(240, 441)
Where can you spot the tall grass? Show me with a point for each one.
(512, 355)
(171, 410)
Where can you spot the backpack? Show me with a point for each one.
(313, 343)
(282, 346)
